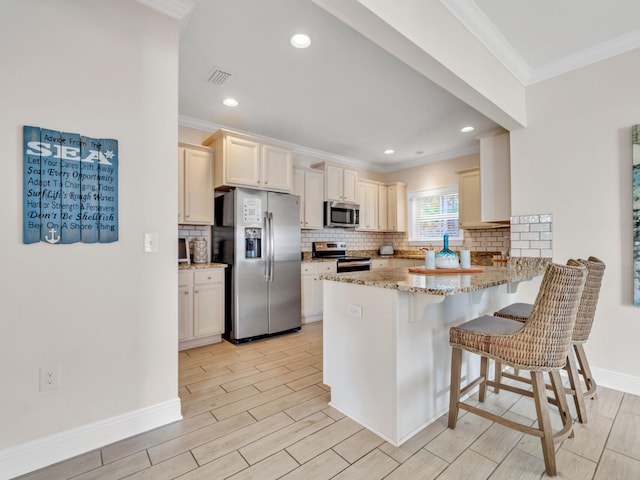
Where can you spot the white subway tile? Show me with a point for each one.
(530, 235)
(546, 253)
(546, 218)
(541, 227)
(546, 236)
(531, 252)
(541, 244)
(529, 218)
(520, 228)
(515, 252)
(515, 220)
(520, 244)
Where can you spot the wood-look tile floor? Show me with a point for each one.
(260, 411)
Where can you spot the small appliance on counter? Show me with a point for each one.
(338, 250)
(386, 250)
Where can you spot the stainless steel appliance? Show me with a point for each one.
(257, 234)
(338, 250)
(341, 214)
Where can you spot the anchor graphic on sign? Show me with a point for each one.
(53, 238)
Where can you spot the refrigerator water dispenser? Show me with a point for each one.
(252, 242)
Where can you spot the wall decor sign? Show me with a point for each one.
(635, 136)
(70, 187)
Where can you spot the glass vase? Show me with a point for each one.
(446, 258)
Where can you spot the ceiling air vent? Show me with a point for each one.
(219, 77)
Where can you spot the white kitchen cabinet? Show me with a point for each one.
(368, 200)
(195, 186)
(309, 186)
(485, 192)
(277, 168)
(396, 207)
(382, 208)
(200, 307)
(245, 161)
(341, 184)
(378, 263)
(312, 288)
(495, 178)
(469, 198)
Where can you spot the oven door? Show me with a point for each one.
(353, 266)
(339, 214)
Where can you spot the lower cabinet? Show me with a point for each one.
(200, 307)
(312, 288)
(378, 263)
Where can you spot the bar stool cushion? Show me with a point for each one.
(515, 311)
(490, 325)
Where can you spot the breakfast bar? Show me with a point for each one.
(386, 348)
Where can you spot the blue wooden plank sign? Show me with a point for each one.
(108, 174)
(89, 189)
(70, 187)
(31, 185)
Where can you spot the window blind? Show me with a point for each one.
(433, 213)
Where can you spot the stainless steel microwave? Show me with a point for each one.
(341, 214)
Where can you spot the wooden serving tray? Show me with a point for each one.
(443, 271)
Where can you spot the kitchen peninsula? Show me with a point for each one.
(386, 340)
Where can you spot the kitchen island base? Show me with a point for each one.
(387, 356)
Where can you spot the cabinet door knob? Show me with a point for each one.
(186, 292)
(266, 181)
(209, 277)
(196, 291)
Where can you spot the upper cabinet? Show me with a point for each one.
(396, 207)
(309, 186)
(485, 193)
(195, 186)
(341, 184)
(245, 161)
(383, 206)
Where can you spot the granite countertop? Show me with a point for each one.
(477, 258)
(439, 284)
(199, 266)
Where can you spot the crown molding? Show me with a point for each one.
(436, 157)
(473, 18)
(203, 125)
(177, 9)
(602, 51)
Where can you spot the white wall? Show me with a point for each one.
(574, 161)
(104, 314)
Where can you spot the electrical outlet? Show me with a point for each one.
(48, 378)
(354, 310)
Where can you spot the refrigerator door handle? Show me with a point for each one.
(266, 247)
(271, 254)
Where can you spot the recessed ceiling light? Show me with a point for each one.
(230, 102)
(300, 40)
(389, 151)
(467, 129)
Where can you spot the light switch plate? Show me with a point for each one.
(150, 242)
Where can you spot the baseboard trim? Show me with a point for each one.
(617, 381)
(42, 452)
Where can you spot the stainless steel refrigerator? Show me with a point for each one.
(257, 234)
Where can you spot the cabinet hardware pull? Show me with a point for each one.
(196, 291)
(209, 277)
(186, 292)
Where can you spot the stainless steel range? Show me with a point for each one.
(338, 250)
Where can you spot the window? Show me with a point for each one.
(432, 214)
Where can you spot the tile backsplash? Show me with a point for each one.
(532, 235)
(482, 240)
(196, 231)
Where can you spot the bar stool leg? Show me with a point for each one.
(586, 371)
(544, 422)
(484, 367)
(497, 376)
(574, 381)
(454, 392)
(563, 406)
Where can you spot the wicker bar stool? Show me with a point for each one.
(538, 345)
(581, 331)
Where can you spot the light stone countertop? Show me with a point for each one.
(199, 266)
(439, 284)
